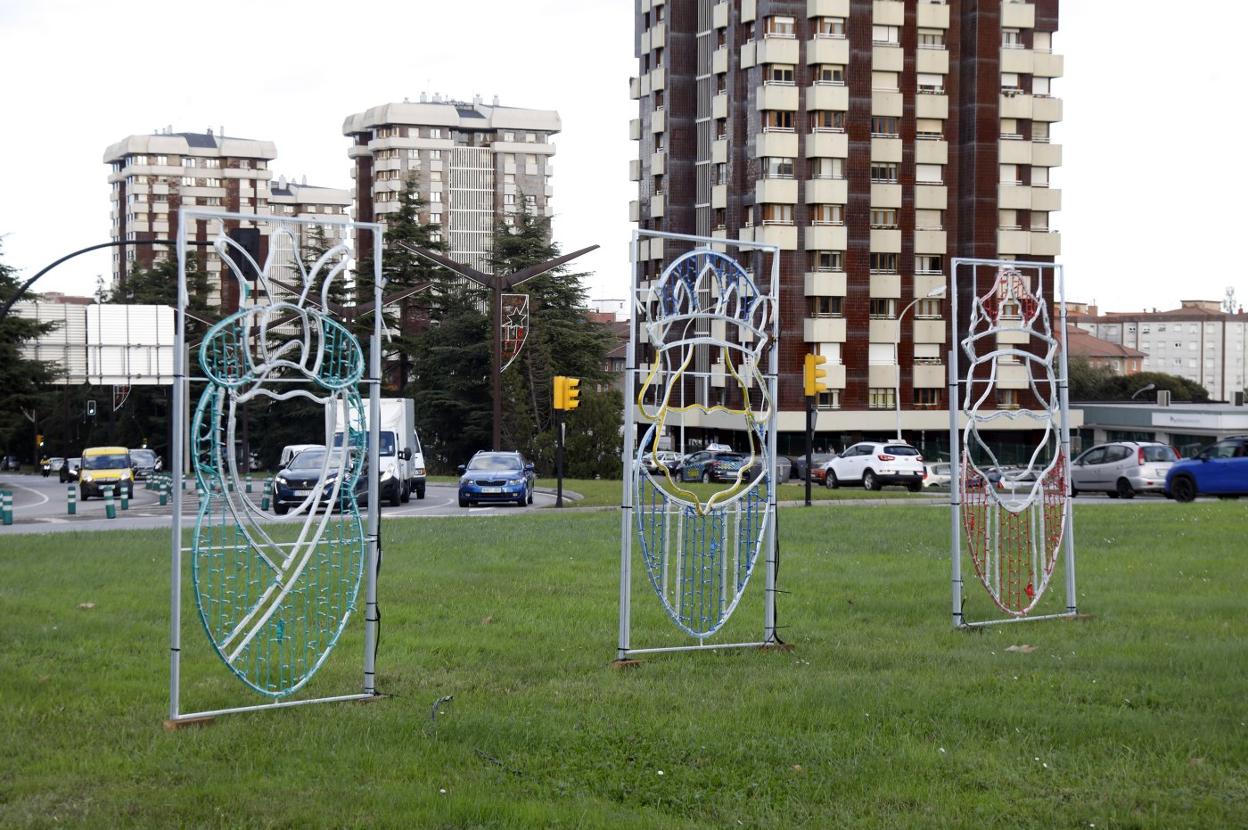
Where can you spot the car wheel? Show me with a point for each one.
(406, 495)
(832, 481)
(1113, 494)
(420, 490)
(706, 477)
(280, 509)
(463, 502)
(914, 486)
(1074, 492)
(1184, 489)
(1125, 490)
(869, 481)
(82, 495)
(396, 495)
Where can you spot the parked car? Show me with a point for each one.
(104, 467)
(877, 463)
(496, 477)
(298, 480)
(939, 474)
(716, 465)
(10, 463)
(69, 471)
(667, 458)
(1219, 470)
(1122, 469)
(146, 463)
(818, 463)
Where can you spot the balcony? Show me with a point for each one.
(925, 284)
(1046, 155)
(887, 59)
(932, 61)
(826, 238)
(885, 195)
(929, 331)
(828, 49)
(719, 15)
(928, 376)
(719, 151)
(656, 206)
(719, 60)
(783, 235)
(634, 170)
(1018, 16)
(658, 121)
(827, 145)
(658, 35)
(886, 149)
(1012, 376)
(882, 375)
(827, 192)
(719, 196)
(1014, 152)
(823, 329)
(933, 16)
(634, 129)
(1015, 242)
(825, 284)
(1021, 61)
(883, 331)
(1013, 197)
(930, 242)
(1046, 109)
(931, 196)
(719, 106)
(827, 8)
(933, 106)
(827, 97)
(1046, 198)
(885, 285)
(634, 211)
(886, 240)
(658, 78)
(1046, 243)
(888, 13)
(779, 50)
(782, 191)
(888, 103)
(931, 152)
(658, 163)
(776, 145)
(1049, 65)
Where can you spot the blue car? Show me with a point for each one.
(496, 477)
(1220, 470)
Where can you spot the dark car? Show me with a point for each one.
(146, 463)
(818, 462)
(496, 477)
(1219, 470)
(69, 471)
(10, 462)
(713, 465)
(293, 485)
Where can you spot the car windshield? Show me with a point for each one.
(117, 461)
(898, 449)
(1158, 455)
(314, 460)
(145, 458)
(493, 462)
(387, 442)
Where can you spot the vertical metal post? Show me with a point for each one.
(374, 471)
(773, 373)
(955, 452)
(177, 451)
(496, 361)
(1072, 605)
(810, 440)
(559, 437)
(630, 429)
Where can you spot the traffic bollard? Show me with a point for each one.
(6, 506)
(164, 494)
(124, 494)
(110, 507)
(248, 484)
(268, 494)
(72, 504)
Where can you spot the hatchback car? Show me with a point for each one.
(670, 460)
(1220, 470)
(712, 465)
(877, 463)
(145, 462)
(1122, 469)
(496, 477)
(939, 474)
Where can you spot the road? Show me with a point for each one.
(40, 506)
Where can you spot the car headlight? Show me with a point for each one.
(125, 475)
(464, 481)
(388, 475)
(281, 480)
(88, 477)
(514, 481)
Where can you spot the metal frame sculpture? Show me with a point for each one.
(1015, 529)
(273, 610)
(699, 554)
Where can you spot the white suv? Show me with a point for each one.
(1122, 469)
(876, 463)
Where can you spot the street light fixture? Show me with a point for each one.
(935, 294)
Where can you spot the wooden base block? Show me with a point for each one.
(620, 665)
(185, 723)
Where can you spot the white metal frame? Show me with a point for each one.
(955, 416)
(624, 649)
(181, 397)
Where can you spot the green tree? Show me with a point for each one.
(22, 381)
(1102, 383)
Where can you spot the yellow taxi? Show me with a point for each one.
(105, 467)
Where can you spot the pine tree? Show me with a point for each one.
(23, 381)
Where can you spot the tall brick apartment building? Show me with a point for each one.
(873, 141)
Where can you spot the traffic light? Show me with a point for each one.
(90, 409)
(39, 441)
(567, 392)
(813, 375)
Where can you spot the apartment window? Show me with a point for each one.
(928, 129)
(1008, 220)
(929, 220)
(780, 27)
(509, 137)
(721, 129)
(658, 99)
(885, 81)
(830, 73)
(436, 132)
(931, 83)
(721, 83)
(882, 397)
(883, 264)
(883, 217)
(827, 121)
(1040, 86)
(1040, 131)
(929, 264)
(1009, 174)
(1040, 220)
(931, 38)
(778, 168)
(929, 173)
(927, 353)
(721, 173)
(829, 27)
(825, 260)
(827, 214)
(927, 309)
(880, 354)
(825, 306)
(886, 35)
(830, 399)
(927, 398)
(1039, 177)
(777, 214)
(1009, 82)
(883, 171)
(530, 202)
(1009, 128)
(1011, 39)
(778, 73)
(658, 185)
(1007, 399)
(778, 121)
(509, 198)
(1042, 41)
(884, 125)
(827, 168)
(386, 132)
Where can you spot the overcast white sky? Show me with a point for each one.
(1153, 181)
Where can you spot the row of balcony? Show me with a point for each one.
(836, 51)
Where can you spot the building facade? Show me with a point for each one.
(474, 166)
(1198, 341)
(304, 201)
(1123, 360)
(873, 141)
(153, 176)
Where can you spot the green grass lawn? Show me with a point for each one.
(881, 717)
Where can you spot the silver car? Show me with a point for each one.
(1122, 469)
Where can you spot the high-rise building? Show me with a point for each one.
(305, 201)
(873, 141)
(152, 176)
(473, 165)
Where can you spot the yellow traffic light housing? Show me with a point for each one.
(813, 375)
(571, 393)
(558, 385)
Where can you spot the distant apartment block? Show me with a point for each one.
(309, 202)
(473, 164)
(1198, 341)
(873, 141)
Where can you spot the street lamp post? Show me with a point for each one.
(935, 294)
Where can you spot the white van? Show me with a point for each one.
(291, 450)
(402, 464)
